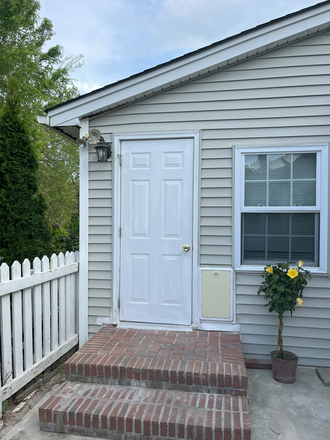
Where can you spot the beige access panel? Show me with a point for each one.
(216, 294)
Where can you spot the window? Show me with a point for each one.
(281, 206)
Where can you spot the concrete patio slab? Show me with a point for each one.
(324, 375)
(298, 411)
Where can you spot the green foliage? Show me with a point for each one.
(282, 290)
(24, 231)
(4, 405)
(44, 75)
(66, 238)
(44, 78)
(59, 179)
(283, 287)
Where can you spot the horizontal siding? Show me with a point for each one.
(100, 193)
(99, 243)
(280, 98)
(306, 333)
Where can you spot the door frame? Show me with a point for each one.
(116, 197)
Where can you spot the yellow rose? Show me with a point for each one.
(292, 273)
(300, 301)
(300, 264)
(269, 269)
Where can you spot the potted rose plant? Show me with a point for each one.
(283, 287)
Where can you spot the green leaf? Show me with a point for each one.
(4, 405)
(281, 291)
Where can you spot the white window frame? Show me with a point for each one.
(321, 200)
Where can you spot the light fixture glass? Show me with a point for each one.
(103, 150)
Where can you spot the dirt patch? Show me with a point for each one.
(23, 402)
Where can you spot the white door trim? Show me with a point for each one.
(196, 299)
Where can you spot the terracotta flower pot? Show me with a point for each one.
(284, 371)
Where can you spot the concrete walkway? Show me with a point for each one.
(299, 411)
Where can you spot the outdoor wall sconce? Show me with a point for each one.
(103, 150)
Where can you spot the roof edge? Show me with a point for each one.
(191, 54)
(231, 50)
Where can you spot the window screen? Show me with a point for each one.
(286, 181)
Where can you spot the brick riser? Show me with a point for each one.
(209, 377)
(128, 413)
(190, 361)
(149, 384)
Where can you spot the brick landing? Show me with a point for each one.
(190, 361)
(143, 384)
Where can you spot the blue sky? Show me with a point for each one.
(119, 38)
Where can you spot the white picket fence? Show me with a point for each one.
(37, 317)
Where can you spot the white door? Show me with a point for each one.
(156, 222)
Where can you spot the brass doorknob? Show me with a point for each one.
(186, 248)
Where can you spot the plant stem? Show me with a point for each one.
(280, 339)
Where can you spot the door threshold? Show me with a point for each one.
(149, 326)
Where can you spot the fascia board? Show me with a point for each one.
(75, 122)
(297, 25)
(43, 120)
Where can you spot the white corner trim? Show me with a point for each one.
(116, 150)
(196, 286)
(84, 128)
(83, 241)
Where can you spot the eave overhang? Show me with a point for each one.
(66, 118)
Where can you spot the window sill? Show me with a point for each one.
(257, 269)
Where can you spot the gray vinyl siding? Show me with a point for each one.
(306, 333)
(99, 243)
(281, 98)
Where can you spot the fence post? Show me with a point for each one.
(36, 310)
(17, 322)
(6, 334)
(37, 315)
(76, 259)
(46, 308)
(27, 318)
(68, 294)
(54, 306)
(61, 302)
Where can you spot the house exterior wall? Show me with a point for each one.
(99, 243)
(277, 99)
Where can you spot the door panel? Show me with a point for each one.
(156, 222)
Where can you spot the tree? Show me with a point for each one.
(24, 231)
(59, 179)
(44, 78)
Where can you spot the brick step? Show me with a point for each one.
(116, 412)
(209, 377)
(189, 361)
